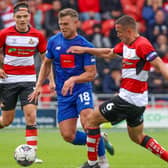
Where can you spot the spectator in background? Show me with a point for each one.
(96, 38)
(103, 66)
(89, 9)
(158, 27)
(111, 82)
(156, 82)
(161, 44)
(69, 4)
(110, 8)
(6, 14)
(148, 11)
(36, 15)
(51, 18)
(97, 85)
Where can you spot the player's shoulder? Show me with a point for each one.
(84, 41)
(8, 30)
(35, 31)
(143, 41)
(55, 37)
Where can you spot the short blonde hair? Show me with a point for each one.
(68, 12)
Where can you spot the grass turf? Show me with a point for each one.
(58, 154)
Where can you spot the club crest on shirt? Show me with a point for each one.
(31, 41)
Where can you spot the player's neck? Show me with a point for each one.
(134, 37)
(23, 29)
(72, 36)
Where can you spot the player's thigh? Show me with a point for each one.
(8, 116)
(68, 127)
(84, 117)
(95, 118)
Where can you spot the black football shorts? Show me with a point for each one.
(117, 109)
(12, 92)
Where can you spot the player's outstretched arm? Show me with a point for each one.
(99, 52)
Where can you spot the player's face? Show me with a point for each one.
(68, 26)
(22, 19)
(122, 33)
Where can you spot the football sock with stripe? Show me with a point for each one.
(93, 138)
(80, 139)
(153, 146)
(31, 135)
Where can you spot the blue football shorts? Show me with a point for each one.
(71, 106)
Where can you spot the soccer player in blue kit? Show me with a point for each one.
(73, 76)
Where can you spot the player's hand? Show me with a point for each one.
(76, 50)
(34, 95)
(2, 74)
(68, 86)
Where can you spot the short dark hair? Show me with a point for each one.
(126, 21)
(23, 5)
(68, 12)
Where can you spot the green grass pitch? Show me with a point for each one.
(58, 154)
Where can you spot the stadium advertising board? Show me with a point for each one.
(45, 118)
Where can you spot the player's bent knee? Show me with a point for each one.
(92, 120)
(68, 137)
(6, 123)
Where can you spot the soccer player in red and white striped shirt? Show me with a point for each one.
(18, 45)
(138, 54)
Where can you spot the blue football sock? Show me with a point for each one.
(101, 148)
(80, 139)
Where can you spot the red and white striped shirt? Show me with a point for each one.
(19, 49)
(135, 68)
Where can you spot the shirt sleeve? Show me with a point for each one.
(118, 49)
(88, 58)
(146, 51)
(42, 43)
(3, 38)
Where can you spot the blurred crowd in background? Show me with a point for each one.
(97, 18)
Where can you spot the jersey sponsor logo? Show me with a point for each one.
(22, 41)
(67, 60)
(21, 51)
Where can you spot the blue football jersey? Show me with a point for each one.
(66, 64)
